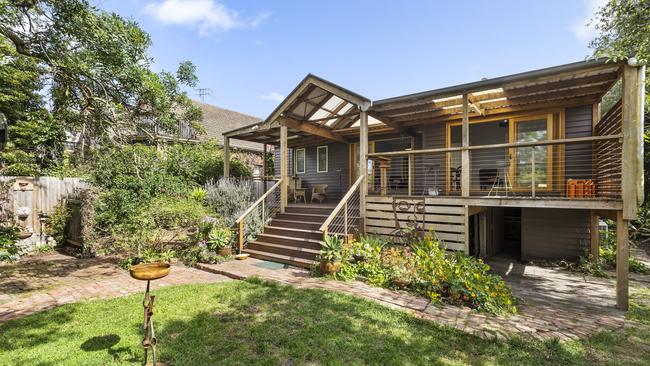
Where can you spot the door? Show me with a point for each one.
(532, 165)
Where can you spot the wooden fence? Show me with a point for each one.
(40, 194)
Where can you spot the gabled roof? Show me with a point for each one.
(218, 120)
(315, 108)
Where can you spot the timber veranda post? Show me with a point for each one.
(633, 91)
(465, 173)
(363, 164)
(284, 168)
(226, 156)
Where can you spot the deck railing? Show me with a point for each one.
(573, 168)
(344, 219)
(252, 221)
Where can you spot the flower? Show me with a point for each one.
(202, 244)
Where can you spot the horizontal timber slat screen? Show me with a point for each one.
(446, 222)
(608, 166)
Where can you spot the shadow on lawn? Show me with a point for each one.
(274, 324)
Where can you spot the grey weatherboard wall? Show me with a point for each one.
(549, 233)
(336, 177)
(578, 157)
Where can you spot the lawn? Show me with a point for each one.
(252, 322)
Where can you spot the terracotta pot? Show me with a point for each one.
(329, 267)
(225, 251)
(400, 282)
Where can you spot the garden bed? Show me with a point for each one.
(423, 267)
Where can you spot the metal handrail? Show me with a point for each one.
(343, 203)
(259, 200)
(504, 145)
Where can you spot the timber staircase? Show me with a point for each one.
(292, 237)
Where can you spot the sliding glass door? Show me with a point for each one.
(532, 165)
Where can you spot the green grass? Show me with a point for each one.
(244, 323)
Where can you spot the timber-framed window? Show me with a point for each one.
(300, 161)
(322, 159)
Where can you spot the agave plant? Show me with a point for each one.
(332, 250)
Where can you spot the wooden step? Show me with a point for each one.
(289, 241)
(295, 233)
(293, 224)
(293, 261)
(302, 217)
(283, 249)
(309, 210)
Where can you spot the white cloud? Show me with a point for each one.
(584, 28)
(276, 97)
(207, 15)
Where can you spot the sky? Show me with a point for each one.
(251, 54)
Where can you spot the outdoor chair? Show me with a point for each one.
(295, 190)
(456, 177)
(319, 192)
(487, 177)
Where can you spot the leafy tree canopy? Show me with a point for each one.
(624, 31)
(98, 73)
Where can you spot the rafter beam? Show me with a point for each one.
(474, 105)
(390, 123)
(311, 128)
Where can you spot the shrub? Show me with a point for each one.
(58, 220)
(606, 260)
(8, 239)
(229, 198)
(173, 212)
(200, 163)
(428, 270)
(129, 177)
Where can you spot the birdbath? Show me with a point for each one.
(149, 272)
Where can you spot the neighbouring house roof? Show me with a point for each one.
(318, 110)
(218, 120)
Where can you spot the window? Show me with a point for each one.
(300, 161)
(321, 159)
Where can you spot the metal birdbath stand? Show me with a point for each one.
(149, 272)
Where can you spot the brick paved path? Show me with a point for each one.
(40, 282)
(557, 304)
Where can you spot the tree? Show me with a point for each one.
(20, 81)
(97, 69)
(624, 31)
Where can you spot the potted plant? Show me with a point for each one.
(331, 254)
(401, 277)
(219, 240)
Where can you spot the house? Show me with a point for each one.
(215, 122)
(520, 166)
(218, 120)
